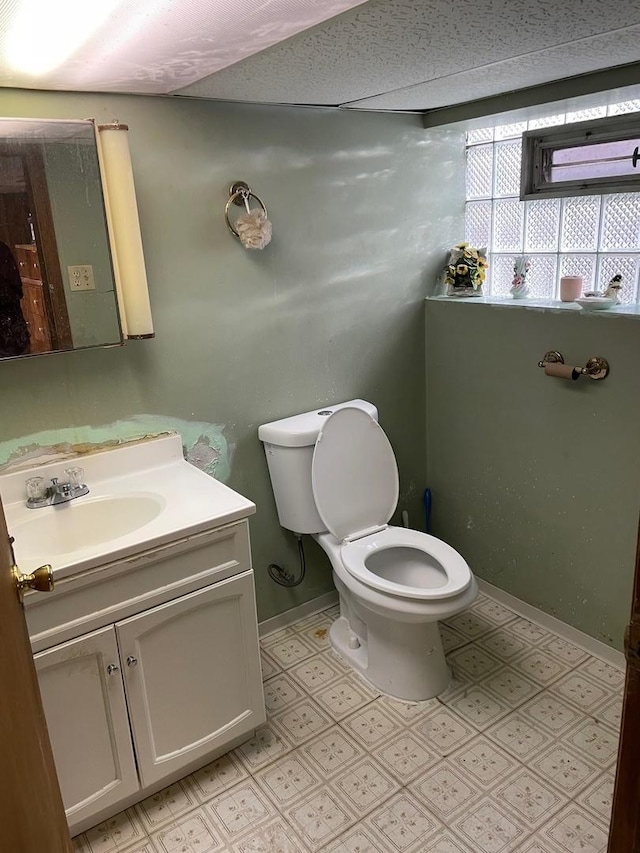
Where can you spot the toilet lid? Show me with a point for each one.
(353, 474)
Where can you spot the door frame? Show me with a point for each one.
(624, 835)
(32, 817)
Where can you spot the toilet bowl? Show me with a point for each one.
(394, 583)
(391, 636)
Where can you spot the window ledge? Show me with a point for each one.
(554, 305)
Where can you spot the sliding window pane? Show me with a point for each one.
(601, 160)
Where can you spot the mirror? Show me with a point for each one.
(57, 289)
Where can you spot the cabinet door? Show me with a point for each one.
(88, 726)
(192, 675)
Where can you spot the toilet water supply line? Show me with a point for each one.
(281, 576)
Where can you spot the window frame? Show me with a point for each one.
(538, 144)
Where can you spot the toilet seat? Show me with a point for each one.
(354, 476)
(355, 487)
(433, 569)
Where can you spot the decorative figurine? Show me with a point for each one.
(594, 300)
(614, 287)
(519, 288)
(612, 292)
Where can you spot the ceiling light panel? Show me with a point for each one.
(42, 35)
(152, 46)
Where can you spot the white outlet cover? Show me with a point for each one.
(81, 277)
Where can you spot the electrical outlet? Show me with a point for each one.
(81, 277)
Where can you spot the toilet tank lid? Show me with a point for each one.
(302, 430)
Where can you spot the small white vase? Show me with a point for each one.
(519, 287)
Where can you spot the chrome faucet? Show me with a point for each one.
(39, 495)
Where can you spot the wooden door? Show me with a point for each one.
(192, 675)
(31, 813)
(625, 819)
(90, 734)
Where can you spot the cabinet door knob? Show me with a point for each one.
(131, 661)
(112, 669)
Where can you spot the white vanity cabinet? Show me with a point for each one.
(192, 676)
(157, 673)
(83, 698)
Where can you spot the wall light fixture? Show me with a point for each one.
(124, 228)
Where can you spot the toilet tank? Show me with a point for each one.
(289, 445)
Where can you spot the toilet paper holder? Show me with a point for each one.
(595, 368)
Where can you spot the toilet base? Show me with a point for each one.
(403, 659)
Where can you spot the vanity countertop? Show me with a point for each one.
(141, 495)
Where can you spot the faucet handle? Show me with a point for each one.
(36, 489)
(74, 475)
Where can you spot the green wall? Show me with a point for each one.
(536, 480)
(331, 310)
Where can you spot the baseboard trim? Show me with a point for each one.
(568, 632)
(283, 620)
(527, 611)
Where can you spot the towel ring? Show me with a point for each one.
(240, 194)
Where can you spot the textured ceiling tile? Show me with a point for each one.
(541, 67)
(390, 44)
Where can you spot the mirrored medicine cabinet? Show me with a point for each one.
(57, 288)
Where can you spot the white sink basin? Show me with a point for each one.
(141, 496)
(84, 523)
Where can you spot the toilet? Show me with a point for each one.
(334, 476)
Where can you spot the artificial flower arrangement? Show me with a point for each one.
(466, 271)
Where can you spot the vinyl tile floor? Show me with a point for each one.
(518, 755)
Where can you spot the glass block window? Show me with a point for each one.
(593, 236)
